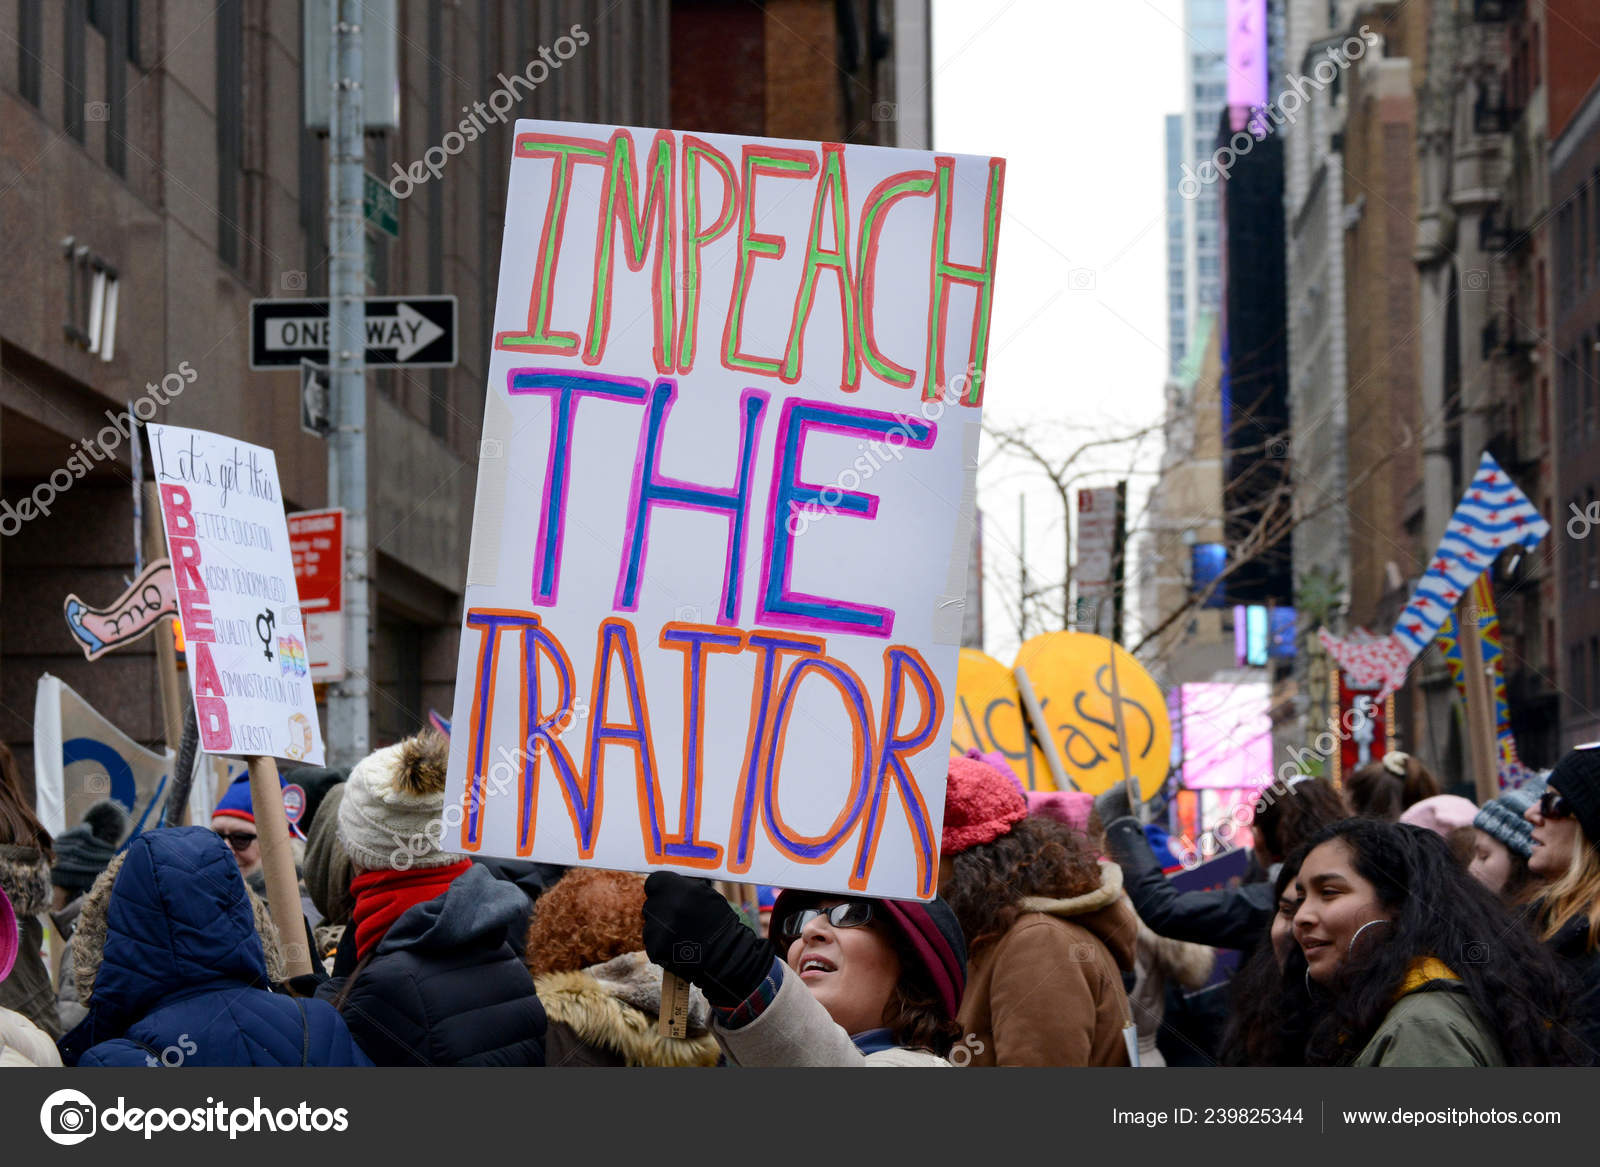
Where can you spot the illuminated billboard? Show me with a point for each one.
(1247, 59)
(1226, 735)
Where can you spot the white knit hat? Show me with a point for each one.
(391, 816)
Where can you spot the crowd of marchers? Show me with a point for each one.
(1383, 923)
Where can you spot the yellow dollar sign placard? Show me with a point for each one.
(989, 717)
(1071, 675)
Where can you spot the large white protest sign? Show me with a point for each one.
(725, 491)
(242, 628)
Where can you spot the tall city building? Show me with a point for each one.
(1177, 304)
(1574, 111)
(1205, 89)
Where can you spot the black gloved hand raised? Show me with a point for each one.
(690, 930)
(1113, 804)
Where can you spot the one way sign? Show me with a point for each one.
(416, 331)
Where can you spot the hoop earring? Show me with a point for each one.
(1352, 946)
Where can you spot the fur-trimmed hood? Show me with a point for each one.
(89, 936)
(25, 878)
(1105, 911)
(614, 1006)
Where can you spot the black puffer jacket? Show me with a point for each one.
(446, 986)
(1227, 918)
(1582, 966)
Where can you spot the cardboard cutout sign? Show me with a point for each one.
(1071, 674)
(724, 506)
(990, 718)
(80, 757)
(130, 616)
(243, 634)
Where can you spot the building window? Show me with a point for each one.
(1593, 546)
(1594, 259)
(438, 379)
(1574, 559)
(72, 71)
(1571, 398)
(230, 126)
(1586, 349)
(313, 195)
(1564, 244)
(1583, 239)
(117, 23)
(105, 15)
(30, 46)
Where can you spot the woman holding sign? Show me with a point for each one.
(861, 982)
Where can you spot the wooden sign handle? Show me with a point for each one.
(674, 1020)
(1041, 730)
(277, 864)
(1135, 795)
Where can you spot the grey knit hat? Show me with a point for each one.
(1502, 817)
(391, 816)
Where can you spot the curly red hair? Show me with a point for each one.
(590, 916)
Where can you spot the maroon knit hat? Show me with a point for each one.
(929, 930)
(980, 804)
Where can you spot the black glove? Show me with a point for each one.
(690, 930)
(1113, 804)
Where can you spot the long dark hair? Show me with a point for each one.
(1038, 857)
(1271, 1011)
(1440, 911)
(1377, 792)
(1288, 814)
(18, 824)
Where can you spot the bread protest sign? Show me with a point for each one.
(243, 633)
(725, 489)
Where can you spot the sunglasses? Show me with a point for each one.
(238, 840)
(850, 914)
(1553, 806)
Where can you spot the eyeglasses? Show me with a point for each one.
(1553, 806)
(238, 840)
(850, 914)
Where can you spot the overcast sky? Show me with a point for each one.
(1072, 94)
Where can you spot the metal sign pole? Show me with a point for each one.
(348, 700)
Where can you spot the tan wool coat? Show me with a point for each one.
(1049, 992)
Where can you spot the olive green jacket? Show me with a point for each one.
(1433, 1023)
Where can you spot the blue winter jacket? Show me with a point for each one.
(183, 978)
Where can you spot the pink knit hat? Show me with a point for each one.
(1067, 806)
(980, 804)
(1441, 814)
